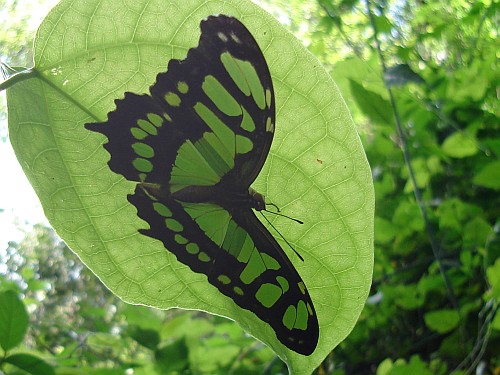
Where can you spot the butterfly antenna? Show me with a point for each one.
(277, 231)
(280, 214)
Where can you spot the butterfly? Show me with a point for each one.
(194, 145)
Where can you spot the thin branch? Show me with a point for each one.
(418, 194)
(483, 335)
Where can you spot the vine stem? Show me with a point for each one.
(407, 157)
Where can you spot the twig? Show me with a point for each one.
(418, 194)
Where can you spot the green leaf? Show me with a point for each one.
(400, 75)
(142, 317)
(442, 321)
(489, 176)
(378, 109)
(173, 357)
(31, 364)
(146, 337)
(495, 324)
(13, 320)
(476, 233)
(493, 275)
(460, 145)
(384, 230)
(316, 153)
(400, 367)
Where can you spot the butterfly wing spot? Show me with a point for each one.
(161, 209)
(138, 134)
(247, 122)
(154, 119)
(222, 99)
(142, 165)
(270, 262)
(302, 287)
(225, 145)
(269, 125)
(224, 279)
(268, 294)
(254, 268)
(173, 225)
(172, 99)
(235, 38)
(309, 309)
(283, 283)
(182, 87)
(192, 248)
(232, 66)
(254, 83)
(222, 36)
(212, 219)
(181, 240)
(143, 150)
(296, 317)
(191, 168)
(245, 76)
(269, 98)
(147, 126)
(167, 117)
(203, 257)
(238, 291)
(289, 317)
(243, 144)
(302, 316)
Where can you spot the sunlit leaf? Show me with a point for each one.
(316, 154)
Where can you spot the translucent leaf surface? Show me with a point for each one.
(87, 54)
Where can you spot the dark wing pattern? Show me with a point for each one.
(200, 137)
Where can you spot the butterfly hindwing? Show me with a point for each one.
(194, 145)
(240, 257)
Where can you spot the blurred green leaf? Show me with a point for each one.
(172, 357)
(475, 233)
(30, 363)
(460, 145)
(376, 108)
(401, 74)
(489, 176)
(495, 324)
(146, 337)
(493, 275)
(400, 367)
(442, 321)
(13, 320)
(384, 230)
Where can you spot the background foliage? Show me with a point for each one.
(421, 80)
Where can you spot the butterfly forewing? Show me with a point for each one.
(195, 144)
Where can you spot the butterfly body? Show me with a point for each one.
(194, 145)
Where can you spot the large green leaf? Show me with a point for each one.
(13, 320)
(88, 53)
